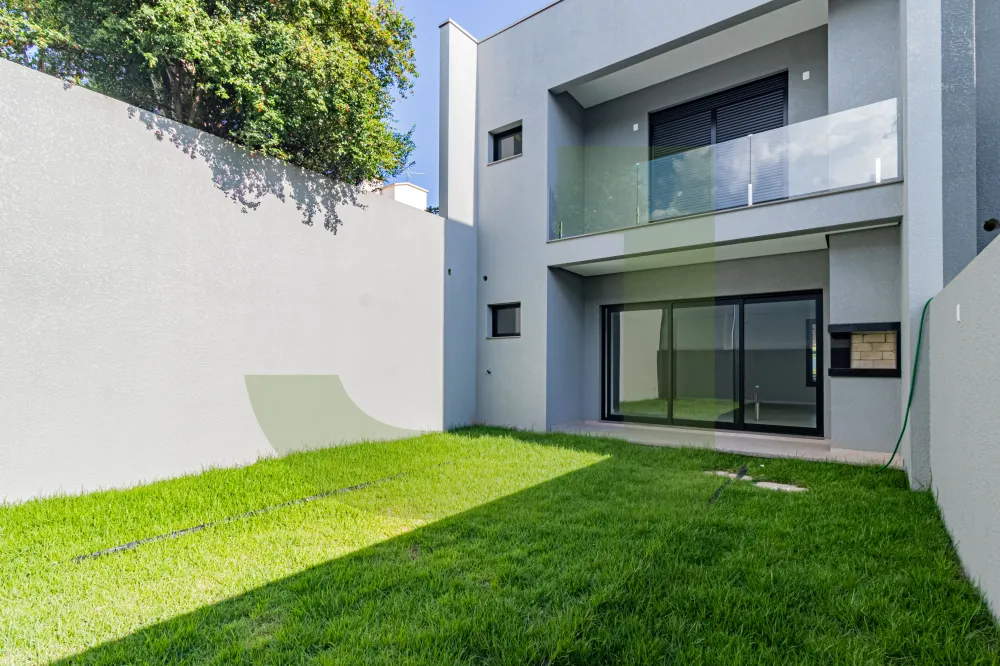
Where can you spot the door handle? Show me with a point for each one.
(756, 403)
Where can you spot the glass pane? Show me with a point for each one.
(782, 365)
(706, 363)
(696, 181)
(506, 320)
(508, 146)
(732, 173)
(680, 184)
(639, 374)
(846, 149)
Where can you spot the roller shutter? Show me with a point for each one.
(686, 181)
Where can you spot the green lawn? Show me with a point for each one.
(496, 547)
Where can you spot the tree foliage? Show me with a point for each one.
(311, 82)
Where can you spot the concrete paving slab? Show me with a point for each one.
(750, 444)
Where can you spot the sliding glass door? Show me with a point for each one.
(748, 363)
(706, 363)
(639, 364)
(781, 363)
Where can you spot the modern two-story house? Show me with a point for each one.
(725, 214)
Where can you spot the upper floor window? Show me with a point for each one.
(505, 320)
(687, 177)
(506, 144)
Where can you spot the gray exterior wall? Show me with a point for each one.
(944, 198)
(519, 70)
(516, 70)
(610, 124)
(938, 233)
(457, 178)
(459, 339)
(922, 231)
(576, 40)
(958, 134)
(964, 421)
(839, 211)
(792, 272)
(613, 146)
(865, 288)
(150, 328)
(987, 118)
(566, 164)
(566, 352)
(864, 52)
(457, 128)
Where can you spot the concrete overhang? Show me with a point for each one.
(799, 225)
(688, 56)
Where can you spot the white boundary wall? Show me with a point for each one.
(965, 419)
(136, 297)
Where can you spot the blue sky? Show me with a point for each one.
(420, 109)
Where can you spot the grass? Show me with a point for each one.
(688, 409)
(497, 547)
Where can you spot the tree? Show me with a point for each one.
(311, 82)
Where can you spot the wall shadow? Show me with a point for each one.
(619, 562)
(247, 179)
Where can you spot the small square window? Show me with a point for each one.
(505, 320)
(506, 144)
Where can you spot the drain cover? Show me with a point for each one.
(783, 487)
(730, 475)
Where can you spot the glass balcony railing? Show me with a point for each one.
(848, 149)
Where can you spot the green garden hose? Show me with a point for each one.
(913, 384)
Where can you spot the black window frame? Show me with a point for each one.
(498, 137)
(610, 361)
(840, 356)
(500, 307)
(712, 104)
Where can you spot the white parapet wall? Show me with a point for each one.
(965, 419)
(406, 193)
(165, 307)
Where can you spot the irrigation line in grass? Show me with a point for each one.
(739, 475)
(249, 514)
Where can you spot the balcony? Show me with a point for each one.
(600, 189)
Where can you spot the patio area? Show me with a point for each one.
(744, 443)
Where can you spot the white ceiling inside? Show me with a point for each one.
(761, 31)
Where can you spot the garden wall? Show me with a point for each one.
(166, 305)
(965, 417)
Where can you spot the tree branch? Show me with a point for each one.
(191, 96)
(172, 95)
(193, 111)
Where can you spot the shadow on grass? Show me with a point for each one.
(619, 562)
